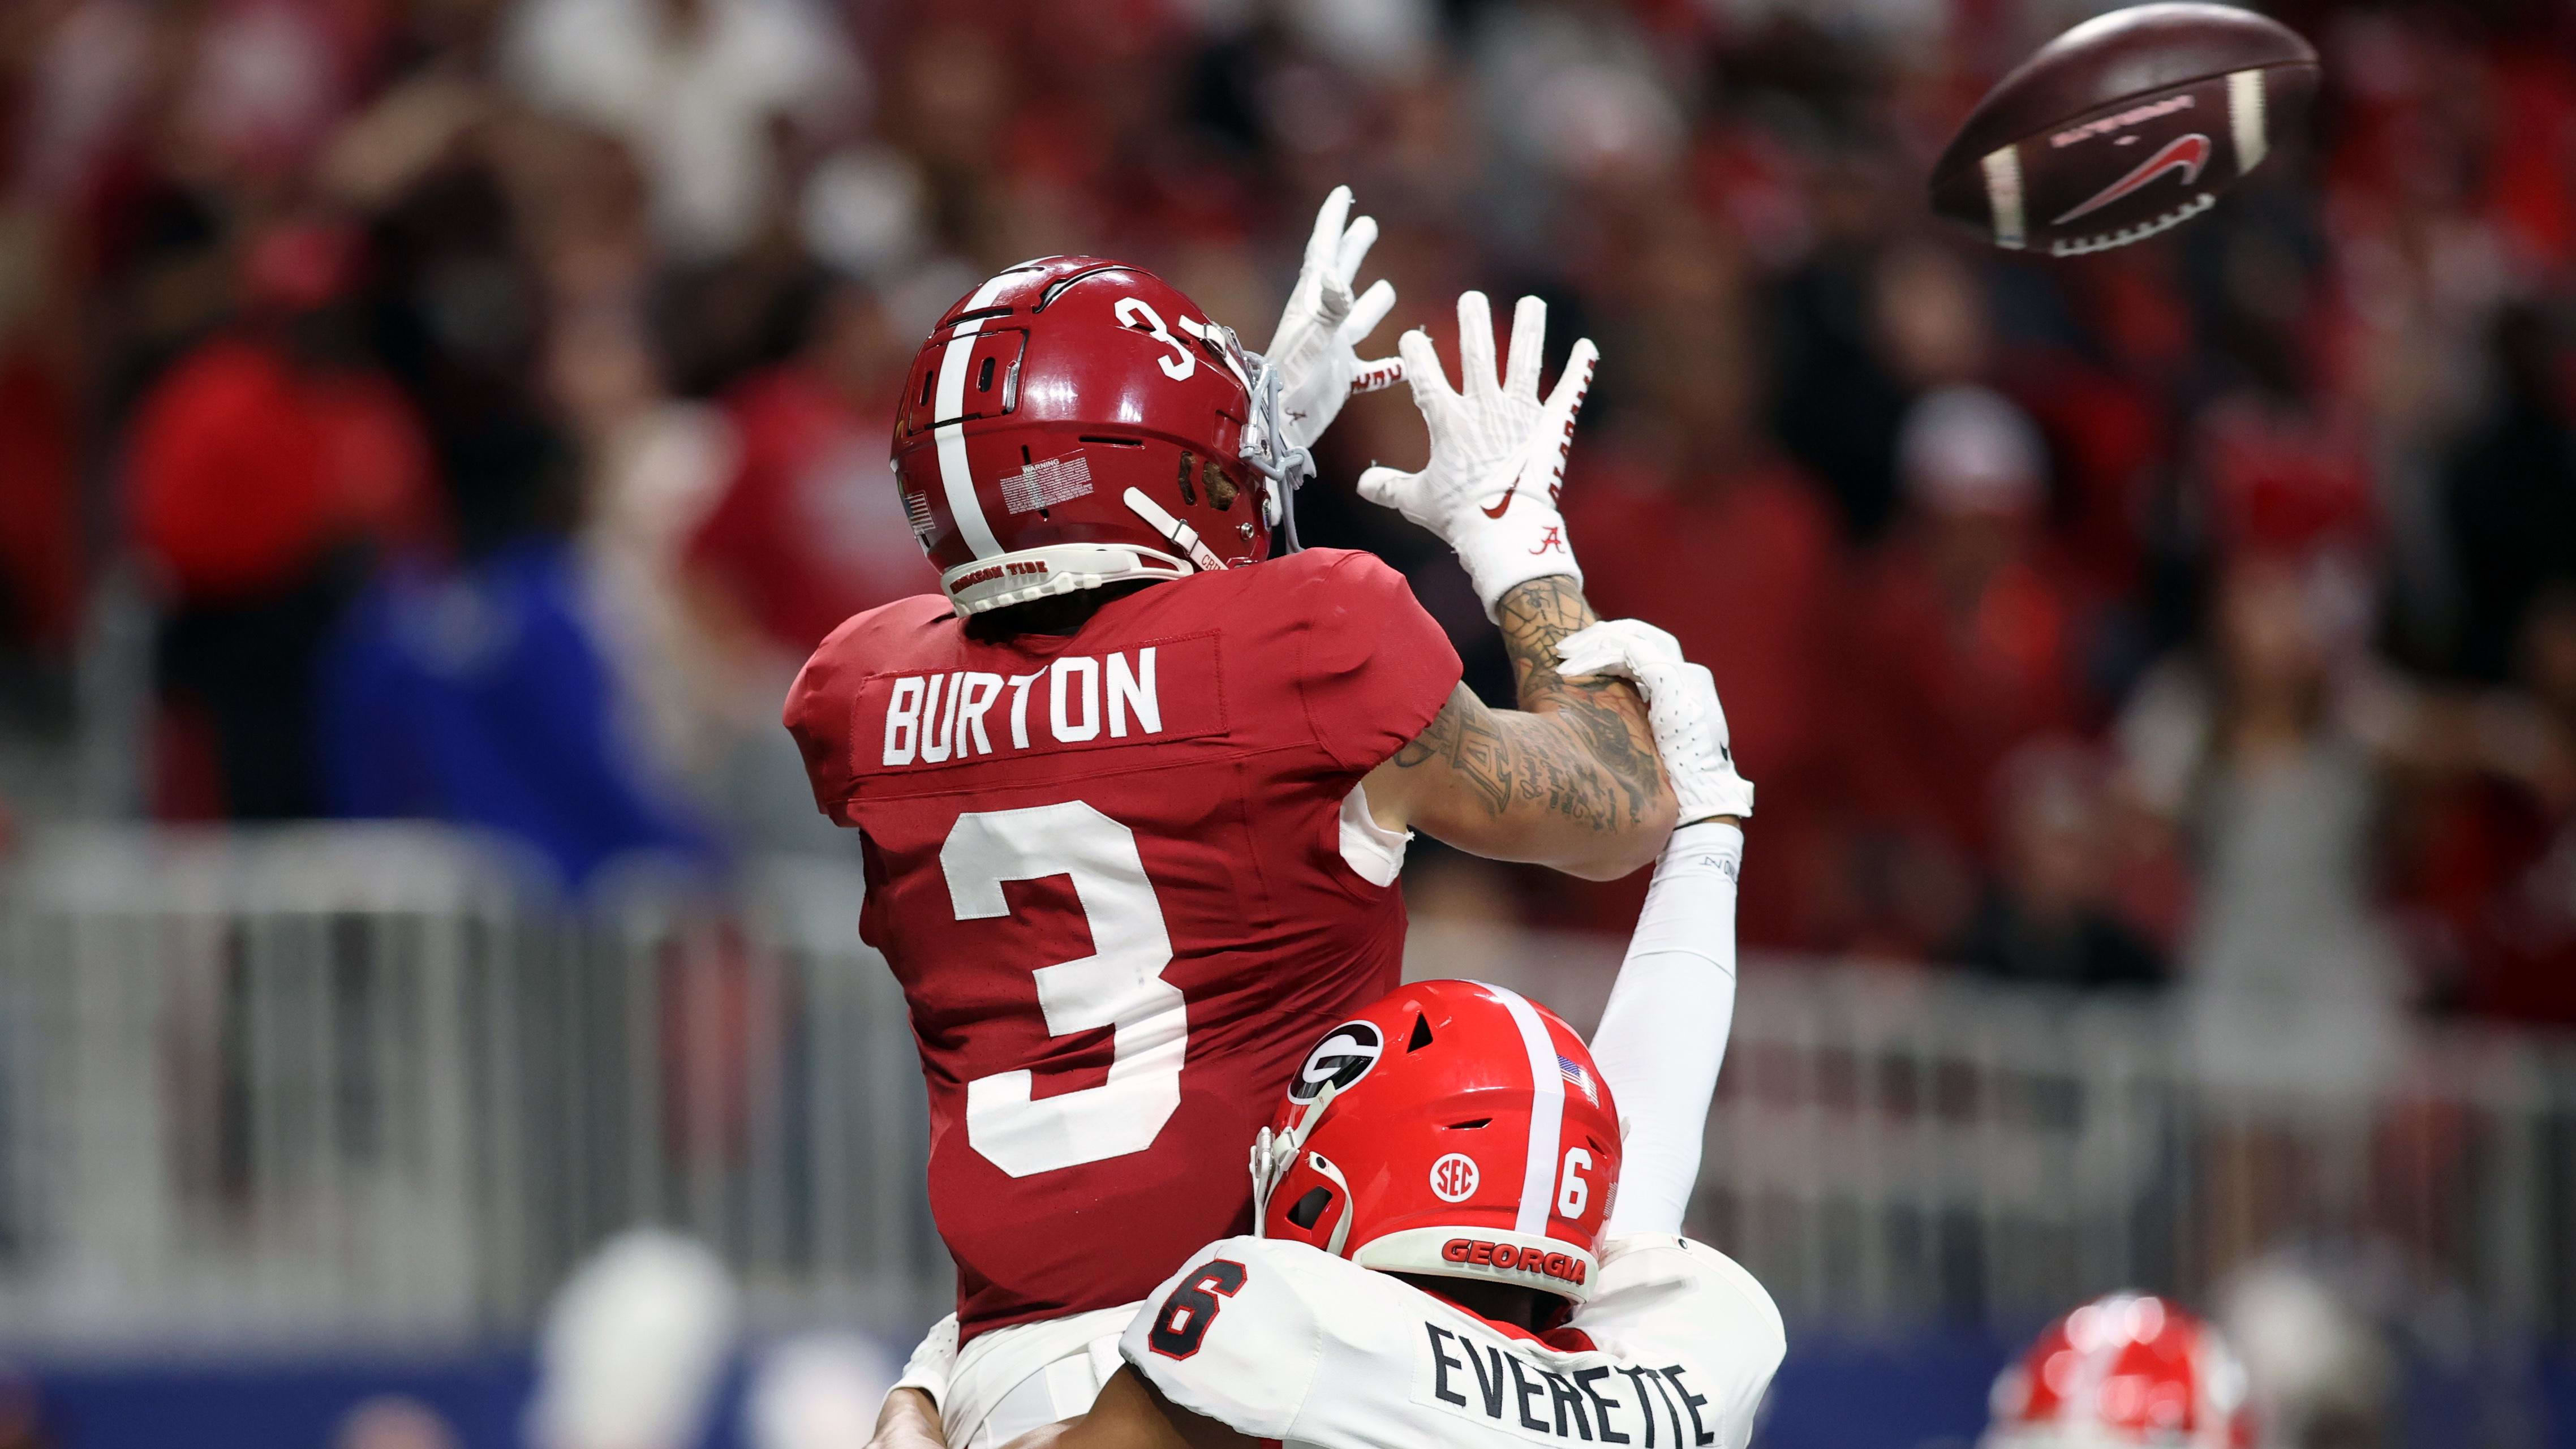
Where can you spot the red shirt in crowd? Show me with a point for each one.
(810, 530)
(1946, 688)
(1746, 572)
(245, 469)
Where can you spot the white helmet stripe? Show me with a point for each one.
(954, 478)
(1547, 1113)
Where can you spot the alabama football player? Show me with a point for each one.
(1466, 1225)
(1134, 793)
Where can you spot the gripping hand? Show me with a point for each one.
(1681, 708)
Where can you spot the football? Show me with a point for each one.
(2125, 126)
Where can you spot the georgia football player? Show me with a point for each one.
(1134, 794)
(2125, 1371)
(1467, 1224)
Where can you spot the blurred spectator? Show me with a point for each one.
(1710, 532)
(632, 1346)
(651, 465)
(808, 530)
(703, 92)
(2511, 486)
(41, 549)
(2050, 915)
(804, 531)
(2256, 759)
(482, 697)
(2495, 862)
(1864, 329)
(818, 1391)
(1969, 628)
(264, 467)
(459, 320)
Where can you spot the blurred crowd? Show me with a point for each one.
(488, 399)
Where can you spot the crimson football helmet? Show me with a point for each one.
(1453, 1128)
(2130, 1371)
(1075, 422)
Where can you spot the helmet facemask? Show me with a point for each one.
(1283, 469)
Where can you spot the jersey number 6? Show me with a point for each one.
(1192, 1307)
(1119, 985)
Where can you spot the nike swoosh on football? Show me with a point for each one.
(2186, 154)
(1501, 503)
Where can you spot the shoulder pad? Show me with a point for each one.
(1237, 1334)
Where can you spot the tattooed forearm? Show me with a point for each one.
(1517, 760)
(1606, 716)
(1580, 752)
(1535, 617)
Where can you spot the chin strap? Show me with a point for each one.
(1342, 1224)
(1182, 536)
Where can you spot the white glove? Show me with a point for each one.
(1316, 348)
(932, 1362)
(1497, 452)
(1681, 708)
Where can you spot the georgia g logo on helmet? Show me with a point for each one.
(1344, 1056)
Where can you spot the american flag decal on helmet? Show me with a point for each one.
(1041, 485)
(1576, 1073)
(916, 507)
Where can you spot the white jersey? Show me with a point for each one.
(1283, 1341)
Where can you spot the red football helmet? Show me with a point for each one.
(1076, 422)
(1453, 1128)
(2130, 1371)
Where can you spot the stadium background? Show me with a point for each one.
(2160, 671)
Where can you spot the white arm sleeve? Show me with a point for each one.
(1664, 1031)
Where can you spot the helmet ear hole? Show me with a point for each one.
(1306, 1210)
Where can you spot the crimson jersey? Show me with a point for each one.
(1114, 875)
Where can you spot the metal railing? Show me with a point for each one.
(360, 1084)
(1893, 1146)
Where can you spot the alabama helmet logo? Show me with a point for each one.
(1344, 1056)
(2186, 154)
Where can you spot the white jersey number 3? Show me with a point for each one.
(1119, 985)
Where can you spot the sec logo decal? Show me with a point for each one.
(1344, 1056)
(1454, 1177)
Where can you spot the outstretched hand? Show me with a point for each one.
(1497, 450)
(1316, 348)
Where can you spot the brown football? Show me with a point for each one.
(2125, 126)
